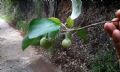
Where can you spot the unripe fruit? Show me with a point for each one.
(66, 43)
(44, 42)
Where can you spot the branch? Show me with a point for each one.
(64, 26)
(94, 24)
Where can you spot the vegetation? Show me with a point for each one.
(105, 62)
(45, 27)
(45, 31)
(19, 13)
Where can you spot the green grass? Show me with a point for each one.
(7, 18)
(105, 62)
(23, 26)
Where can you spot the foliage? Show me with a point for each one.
(39, 28)
(42, 26)
(82, 34)
(105, 62)
(6, 6)
(7, 18)
(7, 10)
(49, 29)
(44, 31)
(23, 26)
(26, 42)
(14, 12)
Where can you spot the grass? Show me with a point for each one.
(23, 26)
(20, 25)
(105, 62)
(6, 18)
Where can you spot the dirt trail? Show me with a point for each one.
(13, 59)
(10, 42)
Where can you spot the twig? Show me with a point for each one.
(64, 26)
(86, 26)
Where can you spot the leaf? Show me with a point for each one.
(56, 20)
(36, 41)
(42, 26)
(76, 8)
(53, 34)
(26, 42)
(83, 34)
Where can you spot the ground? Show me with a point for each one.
(13, 59)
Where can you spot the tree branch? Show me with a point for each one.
(94, 24)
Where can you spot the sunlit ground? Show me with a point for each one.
(2, 20)
(5, 18)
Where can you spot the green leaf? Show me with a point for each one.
(26, 42)
(83, 34)
(76, 8)
(56, 20)
(54, 34)
(70, 22)
(36, 41)
(42, 26)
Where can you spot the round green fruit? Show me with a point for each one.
(66, 43)
(44, 42)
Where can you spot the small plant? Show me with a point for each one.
(105, 62)
(46, 30)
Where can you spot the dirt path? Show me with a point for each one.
(13, 59)
(10, 42)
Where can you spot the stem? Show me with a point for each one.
(86, 26)
(64, 26)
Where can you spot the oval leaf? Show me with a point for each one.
(53, 34)
(76, 8)
(26, 42)
(42, 26)
(56, 20)
(83, 34)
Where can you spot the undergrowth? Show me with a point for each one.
(105, 62)
(23, 26)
